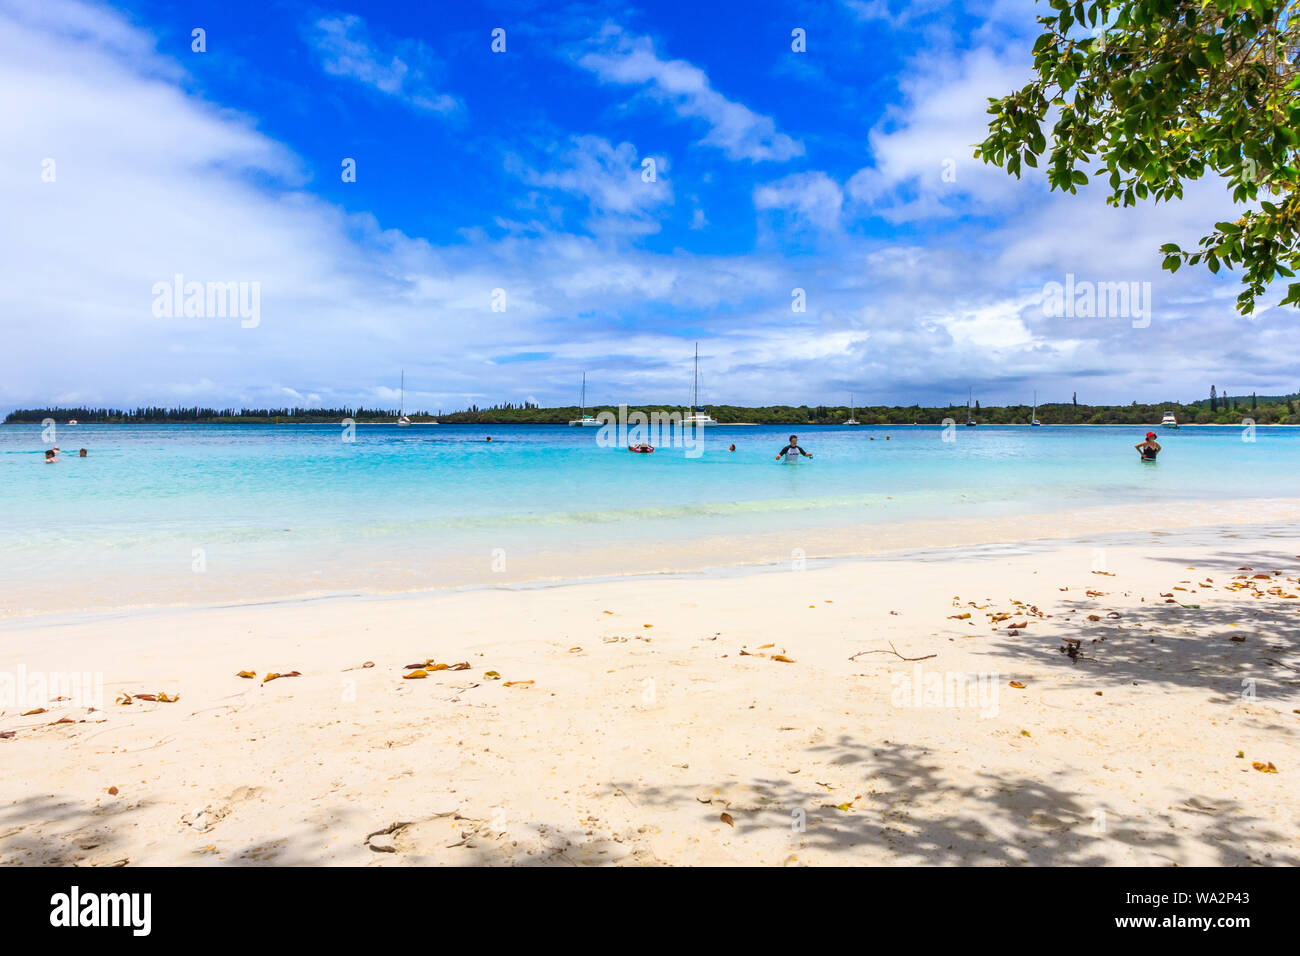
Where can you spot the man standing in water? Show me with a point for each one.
(792, 451)
(1150, 448)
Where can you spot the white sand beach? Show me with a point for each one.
(760, 718)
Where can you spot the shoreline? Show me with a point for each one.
(725, 555)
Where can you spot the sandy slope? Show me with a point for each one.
(634, 740)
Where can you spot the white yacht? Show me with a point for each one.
(969, 420)
(1033, 418)
(585, 421)
(852, 420)
(1169, 421)
(698, 416)
(401, 402)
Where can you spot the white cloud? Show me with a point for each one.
(733, 127)
(812, 199)
(397, 69)
(622, 192)
(922, 151)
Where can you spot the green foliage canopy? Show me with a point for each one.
(1151, 93)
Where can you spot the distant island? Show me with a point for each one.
(1216, 410)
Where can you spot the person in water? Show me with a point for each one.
(82, 453)
(1150, 448)
(792, 451)
(51, 457)
(732, 448)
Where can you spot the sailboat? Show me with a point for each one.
(970, 421)
(586, 420)
(401, 403)
(1033, 418)
(852, 420)
(698, 416)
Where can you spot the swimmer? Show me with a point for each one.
(1150, 448)
(82, 453)
(732, 448)
(51, 457)
(792, 451)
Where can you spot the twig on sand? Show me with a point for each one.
(894, 652)
(386, 831)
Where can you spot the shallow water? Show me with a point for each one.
(159, 514)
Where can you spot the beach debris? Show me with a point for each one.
(959, 617)
(61, 720)
(1241, 754)
(249, 675)
(1016, 684)
(274, 676)
(894, 652)
(1238, 638)
(1025, 733)
(416, 674)
(727, 819)
(782, 658)
(205, 818)
(1071, 648)
(1264, 767)
(492, 675)
(112, 791)
(1108, 574)
(1094, 617)
(518, 683)
(33, 713)
(6, 734)
(381, 841)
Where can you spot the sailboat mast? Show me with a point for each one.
(583, 399)
(401, 396)
(695, 389)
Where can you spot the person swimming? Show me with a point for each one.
(732, 448)
(1149, 448)
(51, 456)
(82, 453)
(792, 451)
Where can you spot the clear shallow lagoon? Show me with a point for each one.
(415, 507)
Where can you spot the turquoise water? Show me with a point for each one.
(154, 501)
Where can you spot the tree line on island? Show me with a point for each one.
(1218, 409)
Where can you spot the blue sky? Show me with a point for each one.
(844, 171)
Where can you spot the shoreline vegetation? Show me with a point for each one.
(1219, 410)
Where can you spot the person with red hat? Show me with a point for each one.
(1150, 448)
